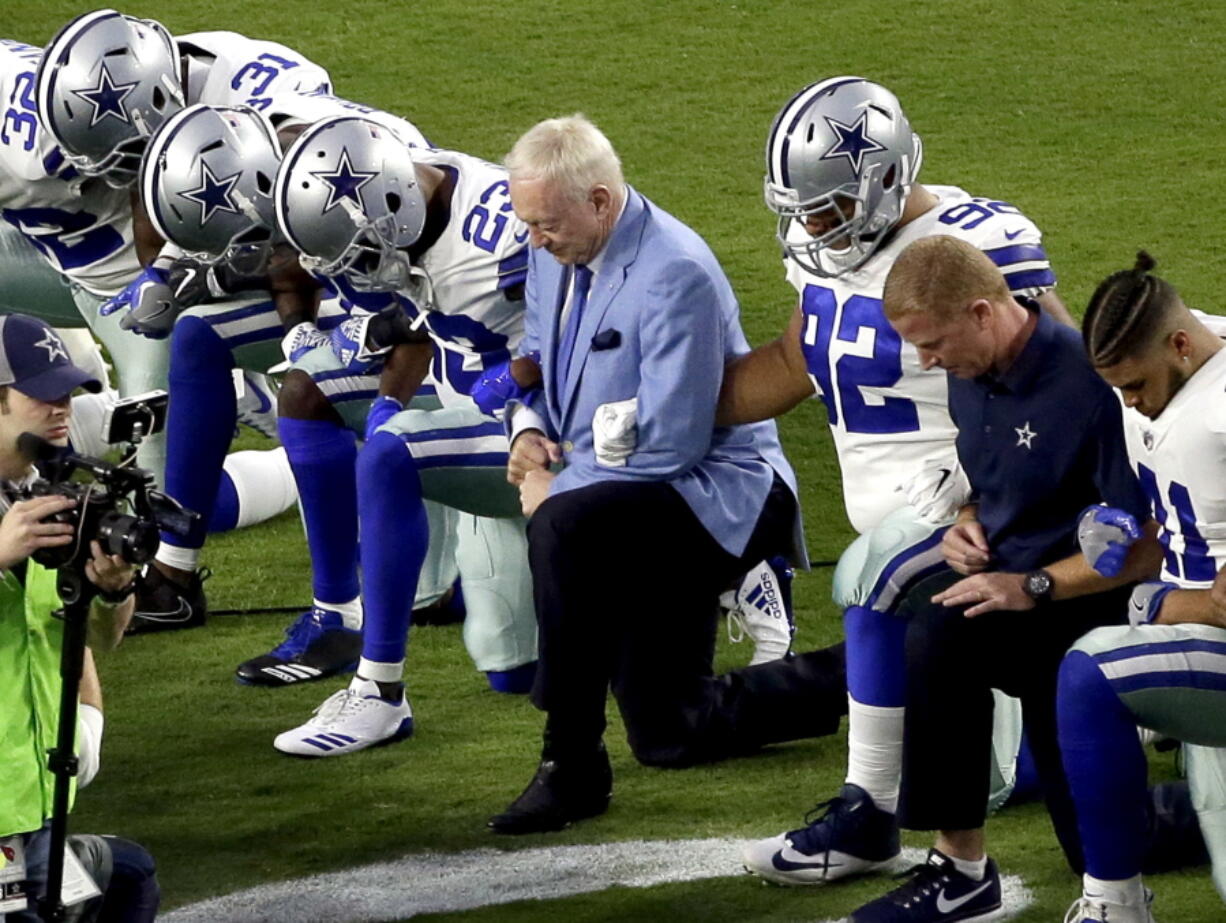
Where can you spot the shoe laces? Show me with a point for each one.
(301, 633)
(926, 880)
(816, 833)
(1086, 910)
(340, 704)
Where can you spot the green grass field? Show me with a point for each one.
(1100, 118)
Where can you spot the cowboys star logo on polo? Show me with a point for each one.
(851, 141)
(1025, 435)
(213, 195)
(53, 345)
(344, 182)
(107, 98)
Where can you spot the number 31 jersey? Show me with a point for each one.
(889, 417)
(1180, 459)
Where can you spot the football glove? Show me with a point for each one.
(938, 491)
(494, 388)
(152, 308)
(1145, 603)
(382, 410)
(300, 340)
(1105, 534)
(363, 339)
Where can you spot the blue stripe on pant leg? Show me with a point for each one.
(1106, 769)
(393, 548)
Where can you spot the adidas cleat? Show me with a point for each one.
(349, 720)
(761, 607)
(316, 645)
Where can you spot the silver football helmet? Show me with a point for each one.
(206, 182)
(105, 83)
(347, 198)
(841, 159)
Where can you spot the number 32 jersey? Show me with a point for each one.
(888, 416)
(1180, 459)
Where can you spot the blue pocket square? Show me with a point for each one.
(607, 339)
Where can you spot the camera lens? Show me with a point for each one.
(135, 540)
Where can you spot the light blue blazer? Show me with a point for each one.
(660, 323)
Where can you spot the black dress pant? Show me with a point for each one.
(953, 663)
(626, 582)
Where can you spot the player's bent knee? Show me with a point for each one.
(195, 344)
(301, 398)
(384, 452)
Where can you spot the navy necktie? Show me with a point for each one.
(578, 299)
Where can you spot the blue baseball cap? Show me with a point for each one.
(35, 361)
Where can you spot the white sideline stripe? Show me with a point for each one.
(443, 882)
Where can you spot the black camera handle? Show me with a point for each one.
(76, 593)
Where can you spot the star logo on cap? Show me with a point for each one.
(344, 182)
(107, 98)
(1025, 435)
(851, 141)
(213, 194)
(53, 345)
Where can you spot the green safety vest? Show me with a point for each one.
(30, 641)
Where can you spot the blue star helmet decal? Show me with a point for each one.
(107, 98)
(213, 195)
(851, 141)
(344, 182)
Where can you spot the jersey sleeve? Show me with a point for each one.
(1015, 244)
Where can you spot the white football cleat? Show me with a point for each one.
(761, 607)
(349, 720)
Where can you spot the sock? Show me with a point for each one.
(322, 456)
(874, 751)
(973, 869)
(200, 423)
(182, 558)
(1130, 891)
(255, 486)
(350, 612)
(515, 681)
(377, 672)
(394, 538)
(1106, 770)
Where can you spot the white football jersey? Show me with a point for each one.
(1180, 459)
(477, 269)
(229, 69)
(293, 109)
(888, 416)
(83, 228)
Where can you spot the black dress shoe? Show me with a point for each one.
(561, 792)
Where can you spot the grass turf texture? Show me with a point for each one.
(1100, 119)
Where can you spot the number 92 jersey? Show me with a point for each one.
(477, 270)
(1180, 460)
(889, 417)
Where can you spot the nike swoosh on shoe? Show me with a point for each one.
(949, 906)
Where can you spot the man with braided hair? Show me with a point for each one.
(1167, 669)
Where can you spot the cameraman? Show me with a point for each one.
(36, 383)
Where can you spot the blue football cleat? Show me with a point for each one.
(316, 645)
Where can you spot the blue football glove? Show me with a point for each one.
(494, 388)
(382, 410)
(349, 344)
(1146, 601)
(1105, 534)
(152, 308)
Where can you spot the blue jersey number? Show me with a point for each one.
(1195, 563)
(20, 122)
(975, 212)
(71, 239)
(486, 222)
(849, 374)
